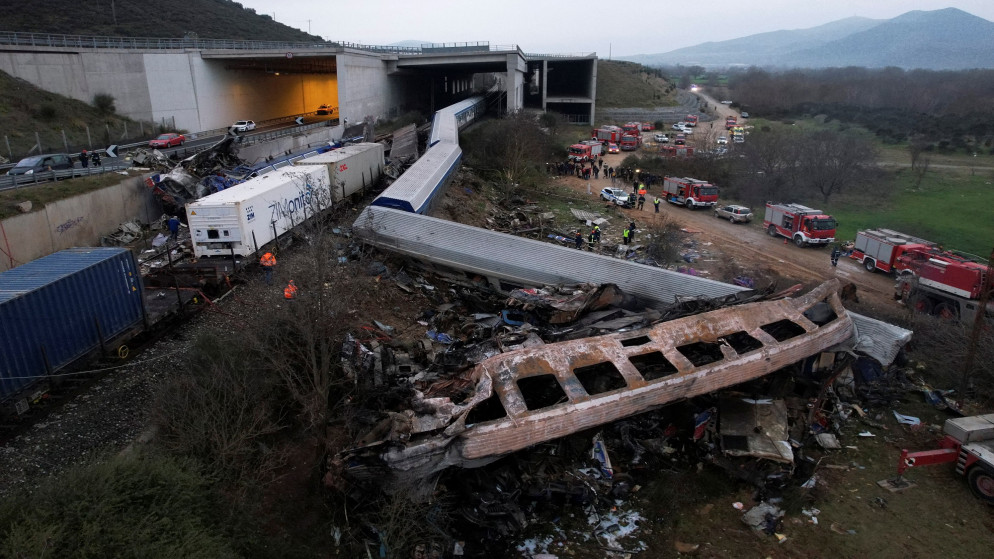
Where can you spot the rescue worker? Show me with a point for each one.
(578, 239)
(291, 291)
(626, 235)
(95, 159)
(655, 203)
(836, 252)
(641, 201)
(84, 159)
(590, 241)
(597, 233)
(268, 263)
(173, 225)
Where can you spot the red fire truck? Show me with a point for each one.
(630, 142)
(730, 122)
(890, 251)
(803, 225)
(676, 151)
(691, 120)
(585, 151)
(648, 126)
(607, 133)
(946, 285)
(692, 193)
(632, 128)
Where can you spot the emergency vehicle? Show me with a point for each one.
(692, 193)
(803, 225)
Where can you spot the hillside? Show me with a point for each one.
(26, 110)
(208, 19)
(947, 39)
(627, 84)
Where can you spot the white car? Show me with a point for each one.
(726, 102)
(679, 126)
(661, 138)
(243, 126)
(722, 140)
(688, 130)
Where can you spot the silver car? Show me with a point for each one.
(733, 213)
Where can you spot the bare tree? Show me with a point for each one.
(920, 161)
(769, 167)
(829, 162)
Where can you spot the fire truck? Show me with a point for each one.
(648, 126)
(676, 151)
(947, 285)
(691, 120)
(692, 193)
(585, 151)
(632, 128)
(607, 133)
(969, 443)
(730, 122)
(890, 251)
(803, 225)
(630, 142)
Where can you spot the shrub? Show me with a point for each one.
(104, 103)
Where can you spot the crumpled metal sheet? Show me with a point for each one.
(756, 428)
(878, 339)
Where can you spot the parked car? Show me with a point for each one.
(243, 126)
(726, 102)
(680, 140)
(688, 130)
(167, 140)
(733, 213)
(739, 139)
(616, 195)
(41, 163)
(613, 148)
(744, 114)
(679, 126)
(722, 140)
(661, 138)
(325, 110)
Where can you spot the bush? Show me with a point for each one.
(131, 506)
(104, 103)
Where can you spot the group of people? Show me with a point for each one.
(268, 263)
(86, 158)
(594, 237)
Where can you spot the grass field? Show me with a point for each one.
(953, 206)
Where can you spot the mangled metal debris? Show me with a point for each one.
(192, 177)
(530, 396)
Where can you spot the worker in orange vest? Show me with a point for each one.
(291, 291)
(268, 262)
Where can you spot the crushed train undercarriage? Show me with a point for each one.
(536, 394)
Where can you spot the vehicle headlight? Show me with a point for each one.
(29, 172)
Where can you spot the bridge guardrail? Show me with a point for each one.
(13, 181)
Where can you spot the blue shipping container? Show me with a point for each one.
(61, 307)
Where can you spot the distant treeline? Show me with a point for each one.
(950, 109)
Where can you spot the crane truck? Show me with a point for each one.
(967, 441)
(804, 225)
(890, 251)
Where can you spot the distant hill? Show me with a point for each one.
(208, 19)
(947, 39)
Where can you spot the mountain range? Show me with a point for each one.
(947, 39)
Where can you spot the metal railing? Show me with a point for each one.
(16, 38)
(13, 181)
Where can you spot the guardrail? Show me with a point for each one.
(17, 38)
(13, 181)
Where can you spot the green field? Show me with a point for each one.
(953, 206)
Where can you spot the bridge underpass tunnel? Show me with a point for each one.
(562, 84)
(260, 87)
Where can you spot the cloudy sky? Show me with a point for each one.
(612, 27)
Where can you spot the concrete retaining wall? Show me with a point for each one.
(78, 221)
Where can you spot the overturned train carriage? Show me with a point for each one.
(533, 395)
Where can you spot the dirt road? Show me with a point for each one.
(735, 249)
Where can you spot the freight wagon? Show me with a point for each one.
(351, 169)
(59, 309)
(239, 220)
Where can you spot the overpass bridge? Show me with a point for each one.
(203, 84)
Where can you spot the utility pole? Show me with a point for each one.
(308, 27)
(113, 11)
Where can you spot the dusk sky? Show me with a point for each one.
(561, 26)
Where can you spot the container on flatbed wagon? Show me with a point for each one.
(60, 308)
(241, 219)
(351, 168)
